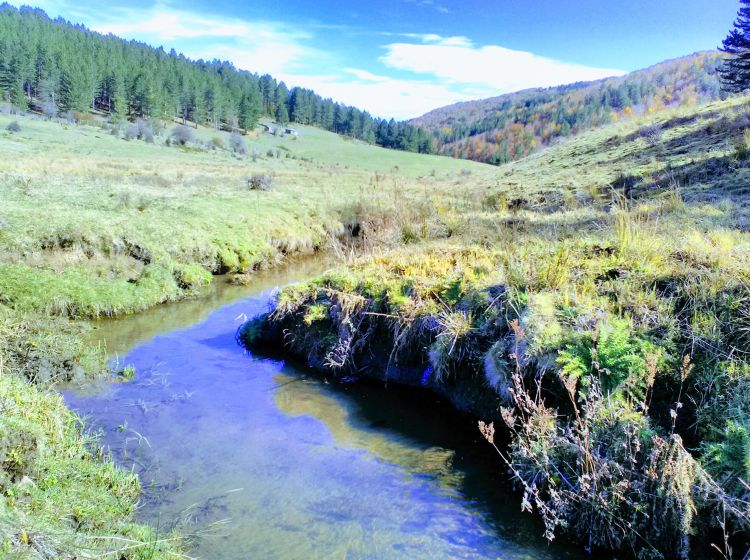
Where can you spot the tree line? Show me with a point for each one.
(53, 66)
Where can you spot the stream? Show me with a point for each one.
(257, 457)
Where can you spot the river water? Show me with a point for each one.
(261, 459)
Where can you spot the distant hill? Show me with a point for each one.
(509, 127)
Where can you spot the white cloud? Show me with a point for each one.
(382, 96)
(259, 46)
(457, 61)
(430, 4)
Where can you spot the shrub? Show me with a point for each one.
(85, 118)
(742, 146)
(652, 134)
(13, 127)
(49, 109)
(606, 475)
(140, 130)
(238, 143)
(69, 117)
(260, 182)
(182, 135)
(217, 142)
(270, 153)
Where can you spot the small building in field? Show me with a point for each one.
(291, 132)
(268, 128)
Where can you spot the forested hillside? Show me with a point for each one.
(54, 66)
(509, 127)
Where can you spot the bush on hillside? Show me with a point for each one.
(238, 144)
(68, 117)
(13, 127)
(49, 109)
(652, 134)
(260, 182)
(140, 130)
(182, 135)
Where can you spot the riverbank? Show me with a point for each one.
(606, 317)
(475, 274)
(264, 456)
(96, 226)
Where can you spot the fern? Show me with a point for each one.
(617, 356)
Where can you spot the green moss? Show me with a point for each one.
(315, 313)
(191, 276)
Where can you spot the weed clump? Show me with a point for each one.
(21, 449)
(13, 127)
(182, 135)
(191, 276)
(238, 144)
(259, 182)
(140, 130)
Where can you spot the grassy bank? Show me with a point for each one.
(93, 225)
(60, 496)
(592, 301)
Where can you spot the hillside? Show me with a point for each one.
(55, 67)
(636, 229)
(585, 301)
(510, 127)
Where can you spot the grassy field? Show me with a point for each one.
(610, 269)
(93, 225)
(593, 297)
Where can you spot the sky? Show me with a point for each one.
(403, 58)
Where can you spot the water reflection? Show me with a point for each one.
(120, 335)
(286, 465)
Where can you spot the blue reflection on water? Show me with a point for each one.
(281, 465)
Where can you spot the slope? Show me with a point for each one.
(509, 127)
(93, 225)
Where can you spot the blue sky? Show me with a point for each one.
(402, 58)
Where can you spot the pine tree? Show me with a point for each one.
(735, 75)
(282, 99)
(53, 66)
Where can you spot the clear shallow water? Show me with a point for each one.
(282, 464)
